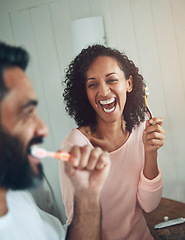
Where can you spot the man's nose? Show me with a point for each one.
(41, 129)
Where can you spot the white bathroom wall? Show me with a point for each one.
(150, 32)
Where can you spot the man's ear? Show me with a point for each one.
(130, 84)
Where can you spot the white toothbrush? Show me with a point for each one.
(42, 153)
(170, 223)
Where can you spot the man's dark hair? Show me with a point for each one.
(11, 56)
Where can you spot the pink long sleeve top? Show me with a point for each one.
(126, 192)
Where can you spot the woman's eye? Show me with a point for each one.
(91, 85)
(112, 80)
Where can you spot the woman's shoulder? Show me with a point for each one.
(138, 130)
(85, 130)
(77, 136)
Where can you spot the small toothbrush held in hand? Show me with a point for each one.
(42, 153)
(149, 112)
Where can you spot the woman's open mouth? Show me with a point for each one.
(108, 105)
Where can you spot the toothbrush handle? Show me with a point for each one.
(63, 156)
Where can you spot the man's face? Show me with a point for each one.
(20, 127)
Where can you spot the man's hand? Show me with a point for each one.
(88, 168)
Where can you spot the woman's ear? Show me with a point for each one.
(130, 84)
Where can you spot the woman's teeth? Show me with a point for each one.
(108, 110)
(108, 101)
(108, 105)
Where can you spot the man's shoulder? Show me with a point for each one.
(19, 194)
(18, 198)
(22, 209)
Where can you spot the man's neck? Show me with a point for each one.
(3, 203)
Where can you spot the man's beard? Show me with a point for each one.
(15, 170)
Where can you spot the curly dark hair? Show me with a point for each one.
(75, 97)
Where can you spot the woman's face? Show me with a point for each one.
(106, 88)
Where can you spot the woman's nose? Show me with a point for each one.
(104, 90)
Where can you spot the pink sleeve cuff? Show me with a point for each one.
(150, 185)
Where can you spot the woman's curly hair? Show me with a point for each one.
(75, 97)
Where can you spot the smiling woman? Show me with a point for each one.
(104, 94)
(77, 102)
(106, 88)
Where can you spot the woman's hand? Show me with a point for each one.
(153, 139)
(153, 135)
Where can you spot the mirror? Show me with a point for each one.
(151, 33)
